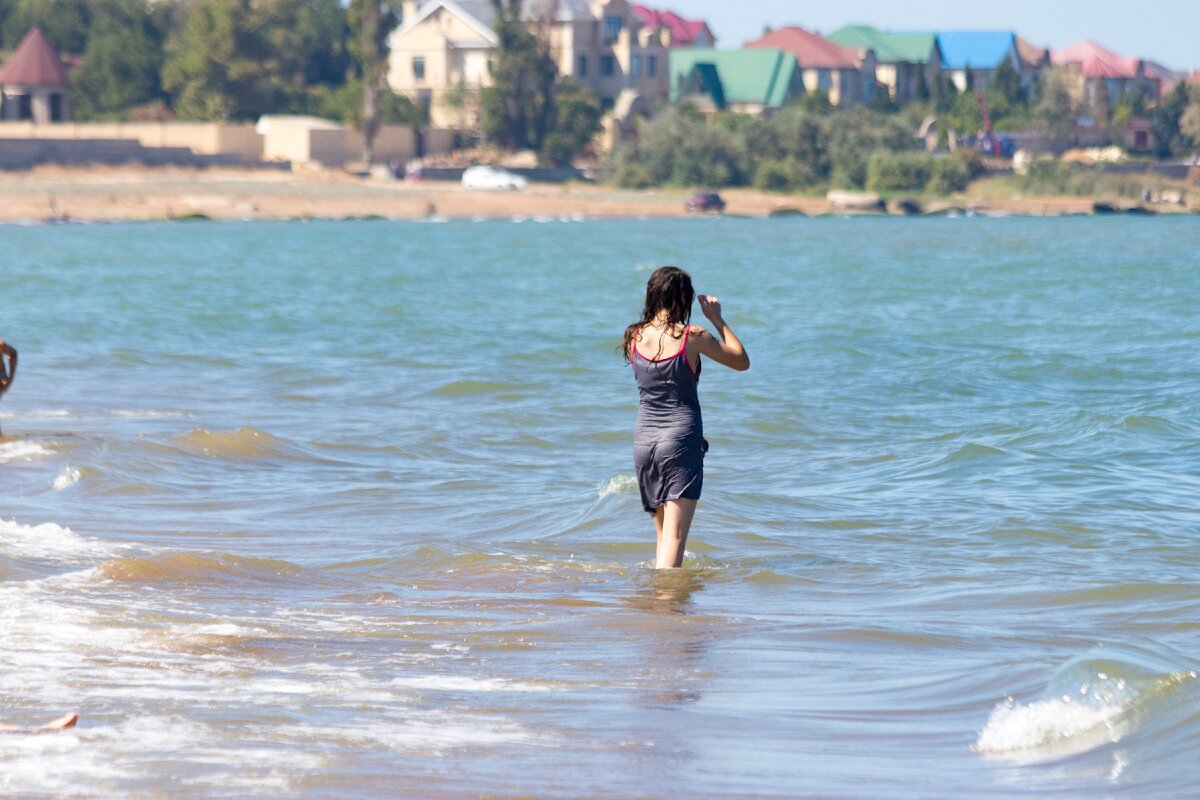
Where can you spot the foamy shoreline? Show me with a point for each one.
(134, 193)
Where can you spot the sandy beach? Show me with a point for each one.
(139, 193)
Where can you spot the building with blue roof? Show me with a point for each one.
(976, 54)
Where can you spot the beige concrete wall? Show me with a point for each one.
(205, 138)
(303, 145)
(399, 142)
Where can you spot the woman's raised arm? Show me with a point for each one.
(728, 348)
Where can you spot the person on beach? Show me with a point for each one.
(8, 367)
(664, 349)
(61, 724)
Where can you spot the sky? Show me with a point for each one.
(1167, 31)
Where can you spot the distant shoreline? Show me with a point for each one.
(134, 193)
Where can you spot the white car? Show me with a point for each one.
(484, 177)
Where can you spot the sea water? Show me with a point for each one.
(347, 509)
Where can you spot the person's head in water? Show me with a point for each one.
(669, 296)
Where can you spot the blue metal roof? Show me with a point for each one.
(977, 49)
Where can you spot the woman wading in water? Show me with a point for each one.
(668, 442)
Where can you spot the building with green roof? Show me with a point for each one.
(902, 60)
(752, 81)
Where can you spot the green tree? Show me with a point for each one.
(1189, 120)
(1165, 119)
(1128, 107)
(1006, 86)
(218, 64)
(922, 88)
(816, 102)
(577, 115)
(854, 135)
(943, 93)
(344, 104)
(306, 42)
(518, 108)
(66, 23)
(121, 65)
(1060, 93)
(371, 23)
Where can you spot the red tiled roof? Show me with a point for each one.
(811, 50)
(683, 31)
(1096, 61)
(34, 63)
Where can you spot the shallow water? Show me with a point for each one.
(347, 510)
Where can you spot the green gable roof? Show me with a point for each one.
(765, 75)
(913, 48)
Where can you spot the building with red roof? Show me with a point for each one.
(33, 82)
(1108, 75)
(682, 32)
(846, 75)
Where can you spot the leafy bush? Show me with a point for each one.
(673, 149)
(948, 175)
(632, 175)
(898, 172)
(796, 147)
(973, 162)
(777, 175)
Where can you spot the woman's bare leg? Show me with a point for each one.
(672, 536)
(60, 724)
(67, 720)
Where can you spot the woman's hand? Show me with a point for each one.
(711, 307)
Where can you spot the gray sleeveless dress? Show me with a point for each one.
(668, 442)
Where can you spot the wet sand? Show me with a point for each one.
(139, 193)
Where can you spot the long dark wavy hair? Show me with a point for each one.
(669, 288)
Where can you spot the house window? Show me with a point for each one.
(582, 70)
(608, 66)
(651, 66)
(612, 28)
(418, 68)
(635, 67)
(56, 108)
(24, 106)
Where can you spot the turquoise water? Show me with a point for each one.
(347, 510)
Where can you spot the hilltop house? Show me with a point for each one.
(1108, 76)
(846, 76)
(751, 81)
(902, 60)
(682, 32)
(442, 51)
(33, 82)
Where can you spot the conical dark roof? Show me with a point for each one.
(34, 63)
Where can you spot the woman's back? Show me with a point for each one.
(669, 406)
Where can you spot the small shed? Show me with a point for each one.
(33, 83)
(302, 140)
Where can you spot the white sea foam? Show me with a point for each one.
(68, 476)
(43, 413)
(621, 484)
(1051, 728)
(23, 450)
(49, 541)
(458, 683)
(148, 414)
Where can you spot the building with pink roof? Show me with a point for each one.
(682, 32)
(33, 82)
(846, 75)
(1108, 75)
